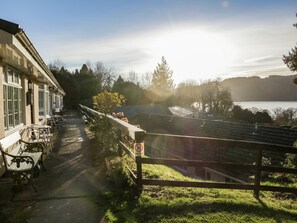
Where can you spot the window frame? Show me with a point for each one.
(43, 100)
(12, 98)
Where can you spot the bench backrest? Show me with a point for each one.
(13, 141)
(10, 140)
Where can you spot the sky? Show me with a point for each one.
(200, 39)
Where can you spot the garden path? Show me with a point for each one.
(67, 191)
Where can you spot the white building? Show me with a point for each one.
(28, 89)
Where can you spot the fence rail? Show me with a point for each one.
(138, 135)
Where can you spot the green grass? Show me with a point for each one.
(171, 204)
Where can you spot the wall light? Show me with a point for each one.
(30, 86)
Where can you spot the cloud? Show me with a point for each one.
(257, 46)
(263, 60)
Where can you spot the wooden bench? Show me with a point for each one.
(21, 158)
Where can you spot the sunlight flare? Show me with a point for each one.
(193, 51)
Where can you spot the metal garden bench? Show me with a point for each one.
(21, 158)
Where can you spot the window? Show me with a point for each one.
(43, 99)
(12, 98)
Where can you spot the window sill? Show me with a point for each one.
(15, 129)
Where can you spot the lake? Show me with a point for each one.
(268, 105)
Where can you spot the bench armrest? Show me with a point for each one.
(33, 146)
(18, 160)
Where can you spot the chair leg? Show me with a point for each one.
(32, 181)
(41, 162)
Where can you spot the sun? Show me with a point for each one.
(194, 54)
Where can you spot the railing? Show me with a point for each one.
(140, 135)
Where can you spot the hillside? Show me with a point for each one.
(272, 88)
(189, 205)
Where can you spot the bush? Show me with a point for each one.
(105, 135)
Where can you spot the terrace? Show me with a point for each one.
(74, 179)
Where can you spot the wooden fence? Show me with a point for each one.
(139, 135)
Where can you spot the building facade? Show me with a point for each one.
(28, 90)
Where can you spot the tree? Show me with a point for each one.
(162, 83)
(214, 97)
(89, 85)
(284, 116)
(240, 114)
(132, 77)
(70, 86)
(146, 80)
(104, 75)
(133, 93)
(186, 93)
(291, 59)
(106, 101)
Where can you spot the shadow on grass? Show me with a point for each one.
(126, 206)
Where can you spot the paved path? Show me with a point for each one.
(67, 191)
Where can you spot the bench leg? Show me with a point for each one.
(41, 162)
(32, 182)
(17, 177)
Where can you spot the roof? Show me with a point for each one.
(21, 36)
(131, 111)
(179, 111)
(9, 27)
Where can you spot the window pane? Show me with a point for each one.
(5, 106)
(20, 106)
(12, 99)
(9, 75)
(10, 105)
(41, 102)
(47, 103)
(16, 78)
(16, 105)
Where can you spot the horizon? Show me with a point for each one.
(200, 40)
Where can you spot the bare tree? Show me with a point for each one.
(57, 64)
(132, 77)
(146, 80)
(105, 75)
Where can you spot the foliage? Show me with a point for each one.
(246, 115)
(291, 159)
(285, 116)
(106, 101)
(209, 96)
(171, 204)
(133, 93)
(80, 86)
(291, 59)
(186, 93)
(70, 86)
(89, 85)
(106, 137)
(104, 75)
(118, 173)
(162, 83)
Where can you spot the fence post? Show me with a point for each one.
(258, 174)
(138, 151)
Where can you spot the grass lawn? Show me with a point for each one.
(172, 204)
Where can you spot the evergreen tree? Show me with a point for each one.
(133, 93)
(70, 86)
(89, 85)
(291, 59)
(162, 83)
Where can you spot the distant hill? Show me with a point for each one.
(272, 88)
